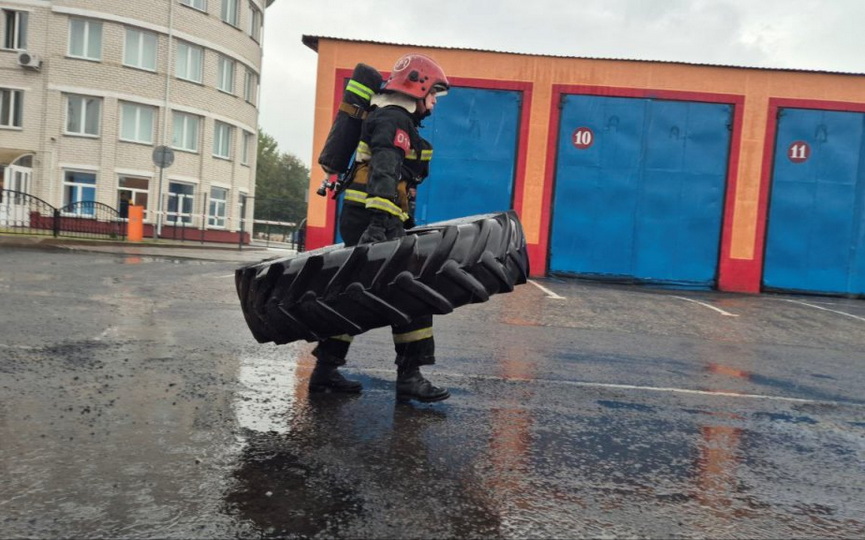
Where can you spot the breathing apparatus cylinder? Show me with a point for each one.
(344, 134)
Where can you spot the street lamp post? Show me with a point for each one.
(163, 157)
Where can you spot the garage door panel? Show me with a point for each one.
(620, 138)
(617, 125)
(673, 228)
(605, 244)
(709, 195)
(474, 189)
(857, 272)
(709, 131)
(838, 137)
(668, 130)
(474, 137)
(649, 211)
(814, 234)
(660, 237)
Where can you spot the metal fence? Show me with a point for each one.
(270, 229)
(22, 213)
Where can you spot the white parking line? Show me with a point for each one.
(546, 291)
(827, 309)
(23, 347)
(721, 311)
(635, 387)
(224, 277)
(709, 393)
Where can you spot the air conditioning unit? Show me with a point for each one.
(29, 60)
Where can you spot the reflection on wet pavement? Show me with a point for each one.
(133, 403)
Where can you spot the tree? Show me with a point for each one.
(281, 183)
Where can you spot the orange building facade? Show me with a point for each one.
(754, 97)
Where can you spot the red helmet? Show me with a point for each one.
(417, 75)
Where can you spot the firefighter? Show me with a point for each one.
(390, 161)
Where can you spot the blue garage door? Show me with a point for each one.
(639, 191)
(816, 238)
(474, 136)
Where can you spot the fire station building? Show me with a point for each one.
(738, 179)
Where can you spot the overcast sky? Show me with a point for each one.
(801, 34)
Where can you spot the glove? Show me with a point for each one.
(409, 223)
(376, 231)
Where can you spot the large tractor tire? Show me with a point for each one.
(348, 290)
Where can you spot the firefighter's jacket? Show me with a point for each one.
(391, 158)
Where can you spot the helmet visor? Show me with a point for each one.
(439, 89)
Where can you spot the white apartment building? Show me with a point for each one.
(90, 88)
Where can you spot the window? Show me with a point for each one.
(190, 58)
(140, 51)
(222, 139)
(19, 180)
(185, 131)
(85, 39)
(179, 203)
(82, 115)
(134, 191)
(254, 22)
(230, 12)
(250, 86)
(15, 25)
(217, 207)
(197, 4)
(79, 190)
(11, 107)
(245, 147)
(226, 75)
(136, 122)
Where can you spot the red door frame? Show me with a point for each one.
(754, 272)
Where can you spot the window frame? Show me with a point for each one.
(235, 15)
(134, 191)
(250, 86)
(16, 40)
(142, 34)
(221, 75)
(180, 210)
(84, 108)
(186, 117)
(139, 108)
(190, 48)
(20, 181)
(256, 22)
(89, 25)
(217, 209)
(191, 4)
(81, 189)
(245, 148)
(15, 111)
(223, 134)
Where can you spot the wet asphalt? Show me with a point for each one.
(134, 403)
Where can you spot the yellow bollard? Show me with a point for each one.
(135, 231)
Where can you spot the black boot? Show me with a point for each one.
(410, 384)
(326, 377)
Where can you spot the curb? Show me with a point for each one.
(48, 241)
